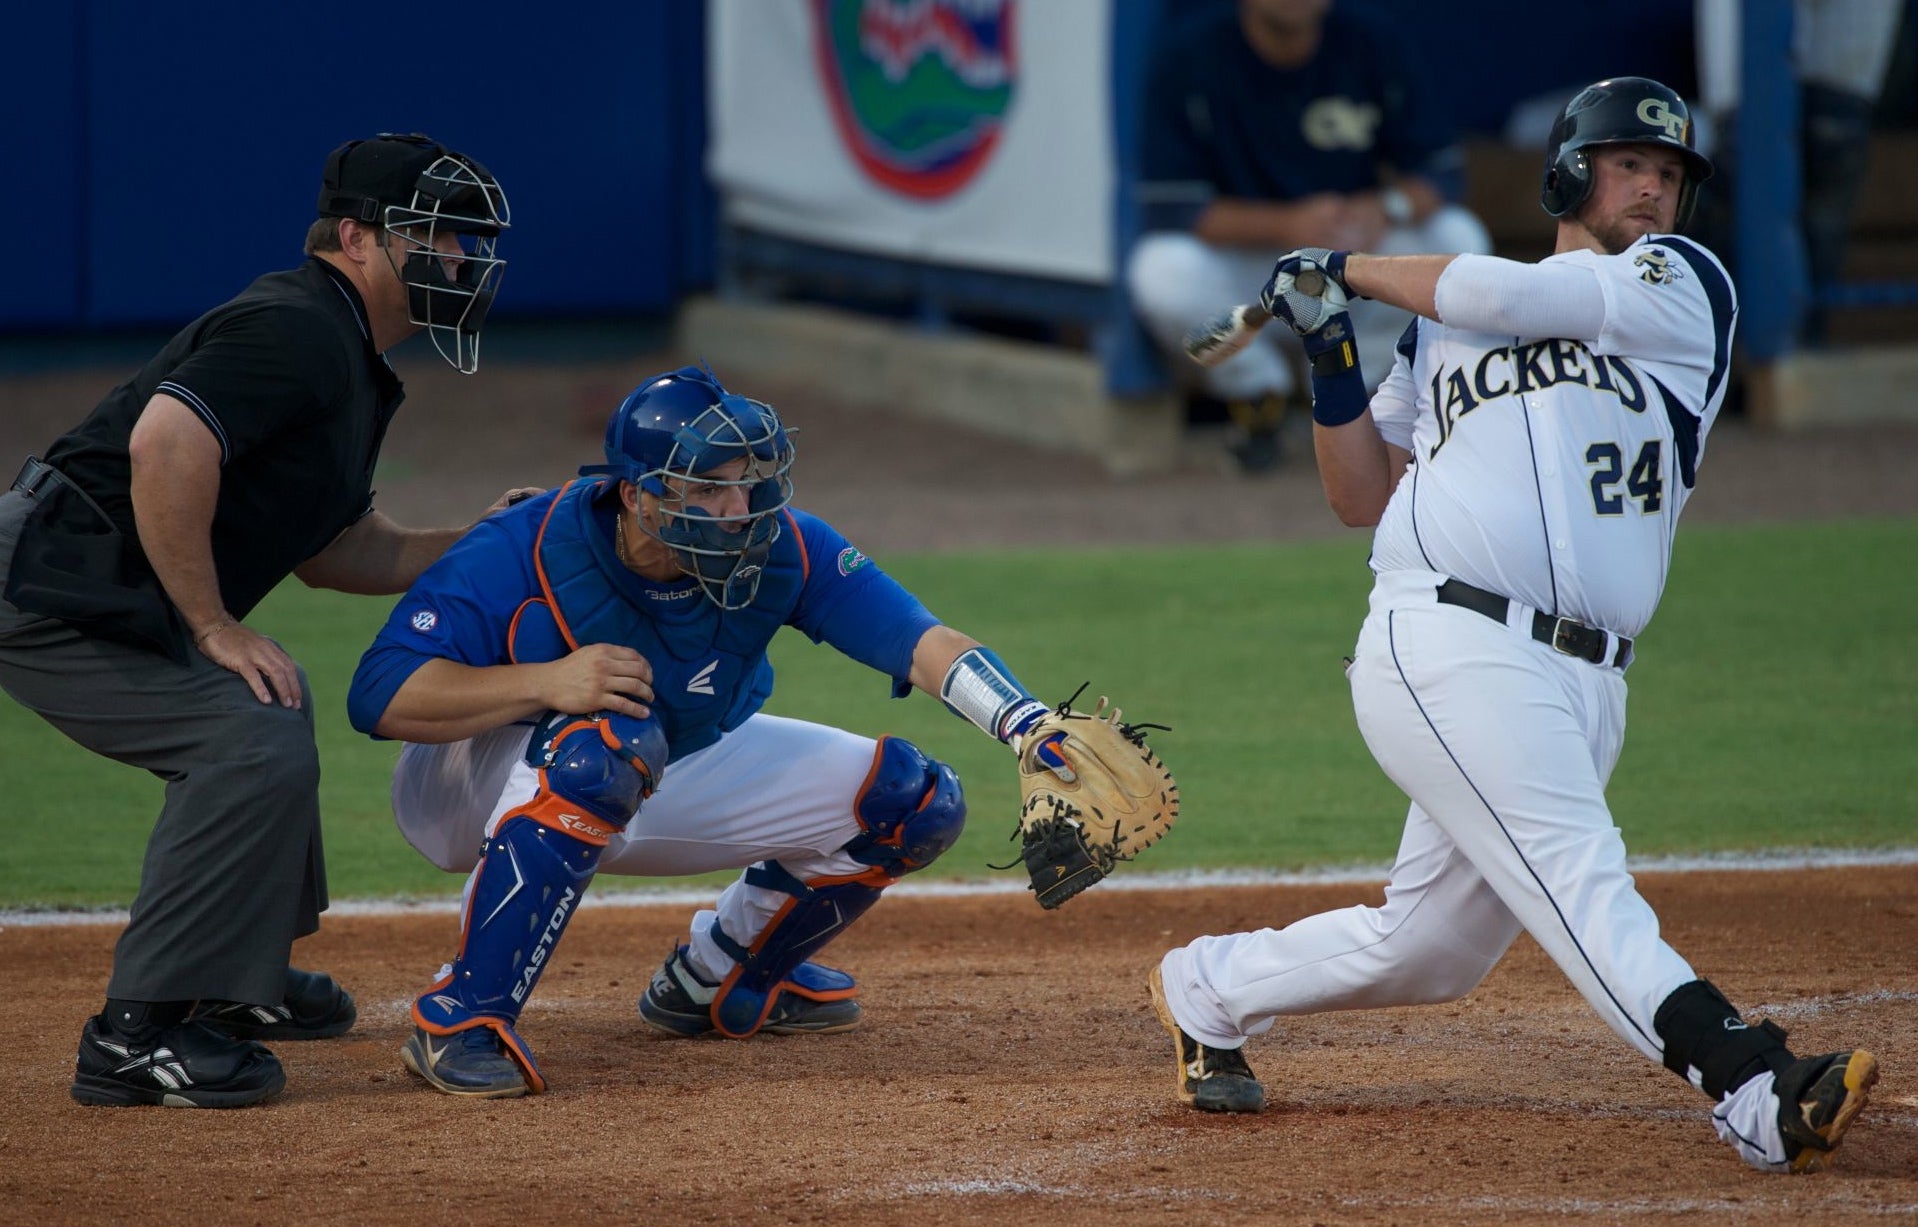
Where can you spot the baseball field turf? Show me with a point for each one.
(1774, 704)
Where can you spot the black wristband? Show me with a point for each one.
(1337, 360)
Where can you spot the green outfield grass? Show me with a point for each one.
(1772, 705)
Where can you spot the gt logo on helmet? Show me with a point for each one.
(1657, 114)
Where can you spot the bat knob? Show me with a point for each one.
(1311, 281)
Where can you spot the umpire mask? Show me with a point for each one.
(420, 192)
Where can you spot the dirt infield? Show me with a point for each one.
(1010, 1071)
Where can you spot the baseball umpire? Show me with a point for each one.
(134, 550)
(1525, 462)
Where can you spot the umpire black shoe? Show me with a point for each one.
(1818, 1097)
(184, 1065)
(1209, 1079)
(315, 1008)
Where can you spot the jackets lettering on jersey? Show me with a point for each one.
(710, 670)
(1532, 366)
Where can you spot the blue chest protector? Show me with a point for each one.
(710, 670)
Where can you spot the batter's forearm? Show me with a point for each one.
(1407, 282)
(1355, 467)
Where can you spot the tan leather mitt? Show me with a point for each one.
(1092, 794)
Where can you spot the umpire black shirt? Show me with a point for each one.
(285, 376)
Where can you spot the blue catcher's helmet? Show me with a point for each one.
(681, 426)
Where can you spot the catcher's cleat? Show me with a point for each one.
(469, 1063)
(185, 1065)
(679, 1002)
(1817, 1099)
(1209, 1079)
(315, 1008)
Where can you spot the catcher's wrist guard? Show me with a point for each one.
(980, 688)
(1093, 794)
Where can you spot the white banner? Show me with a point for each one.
(974, 133)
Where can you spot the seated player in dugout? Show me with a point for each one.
(1274, 124)
(579, 684)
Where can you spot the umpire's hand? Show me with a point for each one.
(269, 672)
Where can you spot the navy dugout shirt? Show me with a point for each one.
(1220, 121)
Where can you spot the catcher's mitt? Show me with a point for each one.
(1114, 799)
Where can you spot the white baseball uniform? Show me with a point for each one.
(1555, 424)
(772, 789)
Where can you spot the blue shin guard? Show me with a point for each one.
(533, 872)
(530, 879)
(910, 810)
(776, 963)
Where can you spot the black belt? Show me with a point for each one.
(34, 474)
(1559, 634)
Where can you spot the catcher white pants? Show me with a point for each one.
(1504, 747)
(772, 789)
(1177, 281)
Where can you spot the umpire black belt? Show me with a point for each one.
(34, 474)
(1559, 634)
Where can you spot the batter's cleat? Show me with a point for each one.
(1209, 1079)
(470, 1063)
(185, 1065)
(1818, 1097)
(315, 1008)
(679, 1002)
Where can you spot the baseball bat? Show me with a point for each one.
(1224, 335)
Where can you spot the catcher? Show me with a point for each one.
(579, 681)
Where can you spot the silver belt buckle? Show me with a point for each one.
(1562, 631)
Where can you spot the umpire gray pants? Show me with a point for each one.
(234, 870)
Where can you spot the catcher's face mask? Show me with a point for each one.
(719, 469)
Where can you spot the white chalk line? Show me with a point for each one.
(1766, 860)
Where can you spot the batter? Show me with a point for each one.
(1525, 463)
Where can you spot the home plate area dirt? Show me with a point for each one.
(1010, 1070)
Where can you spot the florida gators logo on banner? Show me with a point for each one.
(919, 88)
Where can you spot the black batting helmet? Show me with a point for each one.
(1619, 111)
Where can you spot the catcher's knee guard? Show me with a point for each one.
(603, 764)
(911, 809)
(533, 871)
(818, 911)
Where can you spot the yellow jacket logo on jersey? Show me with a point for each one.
(1534, 366)
(1658, 267)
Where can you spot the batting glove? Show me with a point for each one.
(1307, 287)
